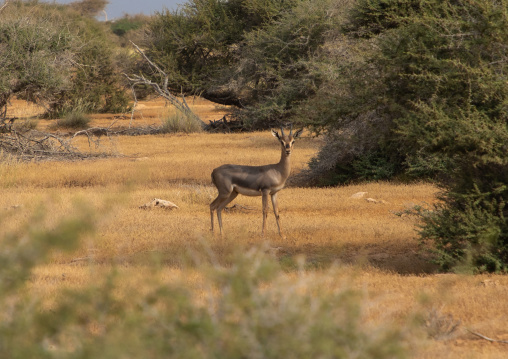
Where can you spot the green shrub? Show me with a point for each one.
(251, 54)
(126, 24)
(26, 125)
(468, 232)
(422, 94)
(56, 57)
(76, 120)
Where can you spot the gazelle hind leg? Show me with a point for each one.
(275, 205)
(213, 206)
(225, 201)
(265, 212)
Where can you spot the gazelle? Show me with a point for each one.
(264, 181)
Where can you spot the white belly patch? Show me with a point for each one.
(247, 191)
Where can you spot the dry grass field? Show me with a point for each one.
(340, 240)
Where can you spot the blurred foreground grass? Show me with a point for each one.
(248, 309)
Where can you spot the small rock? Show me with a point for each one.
(358, 195)
(157, 202)
(13, 207)
(489, 283)
(372, 200)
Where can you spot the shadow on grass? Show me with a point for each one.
(390, 257)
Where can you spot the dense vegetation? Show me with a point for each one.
(434, 107)
(251, 54)
(58, 56)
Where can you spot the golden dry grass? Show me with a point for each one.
(376, 251)
(148, 112)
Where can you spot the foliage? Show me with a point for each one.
(53, 55)
(439, 59)
(251, 311)
(424, 95)
(126, 24)
(96, 84)
(249, 53)
(468, 232)
(275, 67)
(196, 43)
(369, 18)
(129, 28)
(36, 55)
(89, 7)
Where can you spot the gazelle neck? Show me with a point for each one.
(284, 163)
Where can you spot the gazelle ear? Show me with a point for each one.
(275, 134)
(298, 133)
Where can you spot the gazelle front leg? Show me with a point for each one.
(276, 212)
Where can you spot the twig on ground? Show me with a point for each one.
(487, 338)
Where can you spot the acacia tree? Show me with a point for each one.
(52, 55)
(425, 96)
(253, 54)
(36, 60)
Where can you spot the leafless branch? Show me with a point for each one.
(3, 6)
(487, 338)
(162, 88)
(36, 145)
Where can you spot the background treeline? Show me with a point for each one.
(401, 89)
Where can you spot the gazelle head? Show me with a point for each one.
(287, 141)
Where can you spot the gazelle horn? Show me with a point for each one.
(291, 129)
(282, 131)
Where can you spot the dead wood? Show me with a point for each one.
(487, 338)
(37, 145)
(223, 125)
(34, 145)
(161, 88)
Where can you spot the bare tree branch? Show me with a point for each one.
(36, 145)
(162, 88)
(487, 338)
(4, 5)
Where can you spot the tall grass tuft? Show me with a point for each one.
(173, 122)
(75, 120)
(26, 125)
